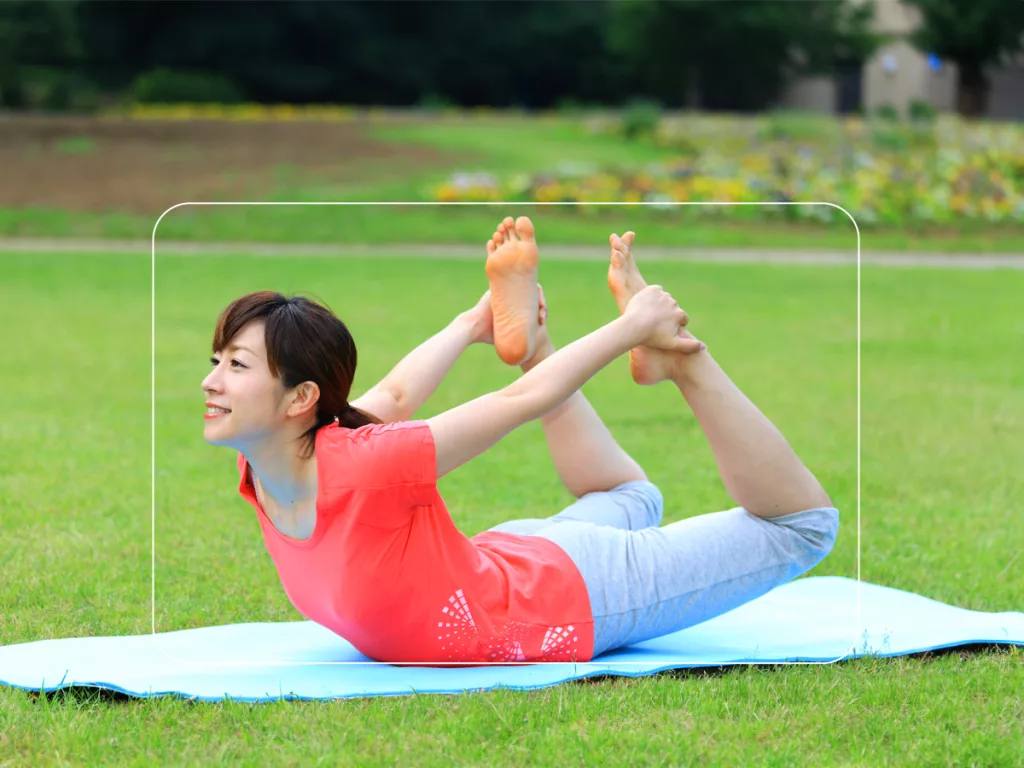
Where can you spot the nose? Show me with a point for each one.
(209, 381)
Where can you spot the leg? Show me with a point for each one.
(758, 467)
(656, 581)
(584, 453)
(631, 506)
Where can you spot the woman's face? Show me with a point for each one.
(241, 383)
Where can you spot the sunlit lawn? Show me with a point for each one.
(941, 511)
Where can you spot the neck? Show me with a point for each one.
(285, 478)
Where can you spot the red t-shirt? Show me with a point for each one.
(386, 568)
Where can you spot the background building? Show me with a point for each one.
(898, 75)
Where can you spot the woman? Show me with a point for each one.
(347, 500)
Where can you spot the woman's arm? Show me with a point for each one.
(652, 318)
(468, 430)
(400, 394)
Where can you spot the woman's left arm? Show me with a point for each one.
(401, 393)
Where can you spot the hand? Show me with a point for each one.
(660, 321)
(482, 321)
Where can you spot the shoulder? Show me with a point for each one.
(401, 451)
(394, 433)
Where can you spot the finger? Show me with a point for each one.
(689, 346)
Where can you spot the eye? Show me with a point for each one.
(214, 361)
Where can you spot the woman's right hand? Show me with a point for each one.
(659, 319)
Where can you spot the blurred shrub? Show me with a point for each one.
(641, 118)
(56, 90)
(572, 108)
(888, 113)
(171, 86)
(892, 138)
(800, 126)
(921, 111)
(434, 102)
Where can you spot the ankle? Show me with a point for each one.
(544, 348)
(688, 369)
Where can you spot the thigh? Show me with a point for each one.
(655, 581)
(629, 506)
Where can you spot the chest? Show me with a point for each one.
(297, 521)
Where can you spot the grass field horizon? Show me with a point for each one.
(940, 504)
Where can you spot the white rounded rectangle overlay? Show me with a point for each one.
(591, 666)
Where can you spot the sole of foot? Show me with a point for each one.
(512, 261)
(647, 366)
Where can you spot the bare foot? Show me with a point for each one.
(647, 366)
(512, 260)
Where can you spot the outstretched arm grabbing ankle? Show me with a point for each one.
(653, 318)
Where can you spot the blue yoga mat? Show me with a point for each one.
(808, 620)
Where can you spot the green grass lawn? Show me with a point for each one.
(502, 146)
(940, 508)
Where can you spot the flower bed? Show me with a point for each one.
(948, 172)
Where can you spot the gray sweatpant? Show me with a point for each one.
(645, 581)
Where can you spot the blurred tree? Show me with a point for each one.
(974, 34)
(736, 55)
(531, 53)
(34, 35)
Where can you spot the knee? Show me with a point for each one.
(817, 527)
(645, 497)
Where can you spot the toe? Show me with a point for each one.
(524, 227)
(498, 238)
(508, 227)
(627, 239)
(491, 247)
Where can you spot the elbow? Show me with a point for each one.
(524, 404)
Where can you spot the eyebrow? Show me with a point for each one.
(233, 347)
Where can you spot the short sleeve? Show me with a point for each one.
(397, 458)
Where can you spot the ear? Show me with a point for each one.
(304, 400)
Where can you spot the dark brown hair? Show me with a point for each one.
(305, 342)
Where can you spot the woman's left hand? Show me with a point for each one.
(481, 321)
